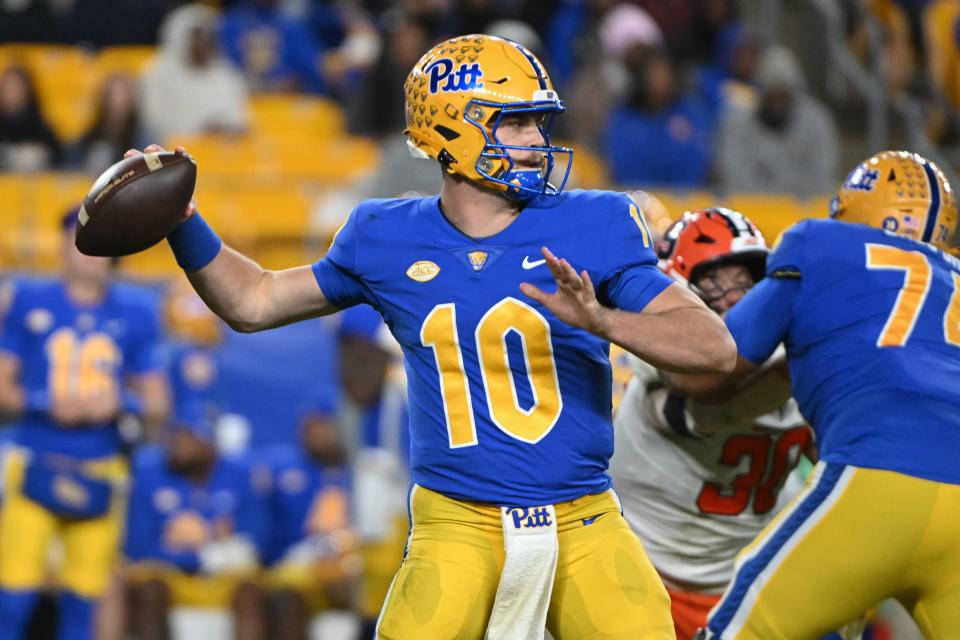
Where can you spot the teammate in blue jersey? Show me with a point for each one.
(868, 307)
(505, 347)
(312, 556)
(196, 527)
(75, 353)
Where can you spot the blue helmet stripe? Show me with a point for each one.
(537, 69)
(934, 211)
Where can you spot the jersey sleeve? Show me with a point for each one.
(338, 272)
(630, 278)
(786, 260)
(760, 321)
(13, 329)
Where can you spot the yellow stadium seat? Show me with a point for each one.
(255, 158)
(943, 51)
(589, 170)
(156, 262)
(51, 196)
(295, 117)
(13, 202)
(124, 59)
(66, 82)
(251, 213)
(772, 213)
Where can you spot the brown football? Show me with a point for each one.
(136, 203)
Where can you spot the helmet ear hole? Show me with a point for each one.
(445, 158)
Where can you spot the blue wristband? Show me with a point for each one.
(194, 243)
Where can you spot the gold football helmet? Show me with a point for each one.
(456, 96)
(900, 192)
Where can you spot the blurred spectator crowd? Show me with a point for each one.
(683, 94)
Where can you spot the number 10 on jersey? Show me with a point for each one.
(439, 332)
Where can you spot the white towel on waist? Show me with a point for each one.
(523, 596)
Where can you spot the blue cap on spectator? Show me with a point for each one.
(361, 321)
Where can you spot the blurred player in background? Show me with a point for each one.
(194, 336)
(75, 354)
(698, 482)
(195, 530)
(509, 385)
(312, 550)
(868, 306)
(375, 390)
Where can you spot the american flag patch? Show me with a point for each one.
(911, 222)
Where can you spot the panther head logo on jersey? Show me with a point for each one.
(900, 192)
(456, 97)
(709, 238)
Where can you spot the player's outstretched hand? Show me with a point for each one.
(154, 148)
(575, 301)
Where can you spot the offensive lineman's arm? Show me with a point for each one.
(759, 323)
(674, 332)
(248, 297)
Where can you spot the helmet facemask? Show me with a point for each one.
(496, 165)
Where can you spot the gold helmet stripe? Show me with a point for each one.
(933, 213)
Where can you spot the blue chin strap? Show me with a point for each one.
(526, 183)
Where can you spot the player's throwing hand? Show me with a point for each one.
(155, 148)
(575, 301)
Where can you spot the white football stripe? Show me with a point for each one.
(153, 161)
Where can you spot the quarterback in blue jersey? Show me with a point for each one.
(868, 307)
(505, 347)
(75, 353)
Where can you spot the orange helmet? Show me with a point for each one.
(710, 238)
(456, 96)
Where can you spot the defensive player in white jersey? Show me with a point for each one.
(698, 482)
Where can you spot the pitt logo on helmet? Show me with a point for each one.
(465, 78)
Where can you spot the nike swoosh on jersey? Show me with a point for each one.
(527, 264)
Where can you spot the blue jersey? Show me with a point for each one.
(226, 503)
(507, 404)
(66, 347)
(871, 322)
(305, 499)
